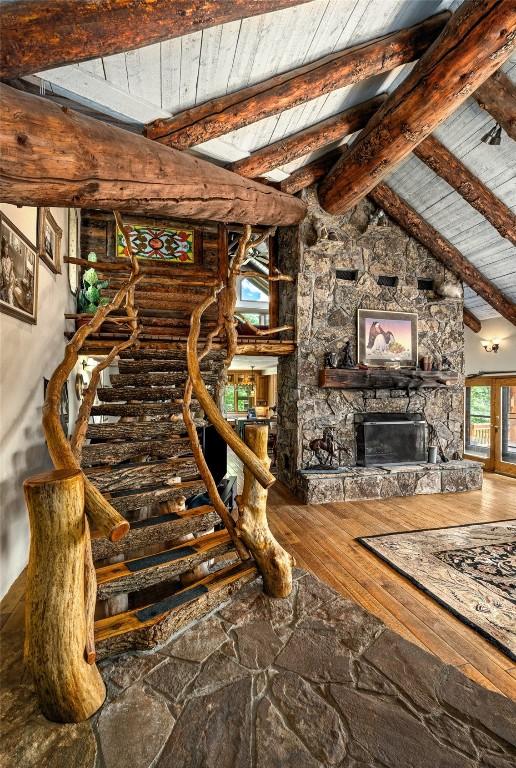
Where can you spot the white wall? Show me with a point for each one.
(478, 360)
(28, 353)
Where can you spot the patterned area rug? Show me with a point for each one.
(469, 569)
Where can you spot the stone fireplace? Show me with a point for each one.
(365, 261)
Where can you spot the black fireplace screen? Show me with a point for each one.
(390, 438)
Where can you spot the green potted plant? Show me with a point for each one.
(89, 297)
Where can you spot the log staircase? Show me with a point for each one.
(177, 561)
(131, 537)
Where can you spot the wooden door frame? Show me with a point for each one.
(493, 462)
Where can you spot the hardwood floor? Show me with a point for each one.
(322, 539)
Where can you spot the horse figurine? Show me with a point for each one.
(325, 445)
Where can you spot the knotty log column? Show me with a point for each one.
(274, 563)
(54, 156)
(475, 42)
(69, 689)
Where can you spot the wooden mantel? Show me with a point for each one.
(379, 378)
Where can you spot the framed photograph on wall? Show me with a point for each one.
(18, 273)
(387, 337)
(49, 236)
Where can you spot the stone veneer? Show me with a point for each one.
(381, 482)
(324, 308)
(311, 681)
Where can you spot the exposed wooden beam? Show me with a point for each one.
(498, 97)
(442, 249)
(449, 168)
(476, 41)
(227, 113)
(54, 156)
(311, 172)
(471, 320)
(38, 35)
(308, 140)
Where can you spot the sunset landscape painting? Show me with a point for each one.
(387, 337)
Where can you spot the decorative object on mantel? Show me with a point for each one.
(331, 360)
(426, 362)
(385, 336)
(347, 358)
(467, 569)
(321, 446)
(375, 378)
(446, 363)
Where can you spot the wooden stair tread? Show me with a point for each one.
(140, 474)
(137, 499)
(156, 378)
(112, 453)
(139, 430)
(166, 563)
(155, 366)
(164, 527)
(149, 615)
(153, 408)
(141, 394)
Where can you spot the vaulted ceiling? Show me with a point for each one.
(165, 78)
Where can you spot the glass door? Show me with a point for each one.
(479, 423)
(505, 427)
(490, 422)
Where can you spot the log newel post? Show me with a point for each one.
(274, 563)
(69, 689)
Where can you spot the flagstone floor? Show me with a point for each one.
(311, 681)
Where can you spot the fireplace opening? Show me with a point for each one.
(390, 438)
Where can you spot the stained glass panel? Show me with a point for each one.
(160, 243)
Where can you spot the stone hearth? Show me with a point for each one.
(312, 681)
(323, 306)
(380, 482)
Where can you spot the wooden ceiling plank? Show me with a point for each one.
(52, 156)
(399, 210)
(476, 41)
(39, 35)
(471, 320)
(306, 141)
(236, 110)
(448, 167)
(498, 97)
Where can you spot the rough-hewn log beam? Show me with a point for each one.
(308, 174)
(50, 156)
(498, 97)
(227, 113)
(312, 138)
(471, 320)
(37, 34)
(476, 41)
(444, 251)
(449, 168)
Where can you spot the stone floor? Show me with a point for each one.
(311, 681)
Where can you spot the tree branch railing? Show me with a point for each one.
(251, 533)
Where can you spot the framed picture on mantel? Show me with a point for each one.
(387, 337)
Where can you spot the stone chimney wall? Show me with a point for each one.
(324, 309)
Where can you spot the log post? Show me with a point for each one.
(274, 563)
(69, 689)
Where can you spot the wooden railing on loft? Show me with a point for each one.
(61, 583)
(251, 529)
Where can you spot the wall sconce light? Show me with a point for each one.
(493, 345)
